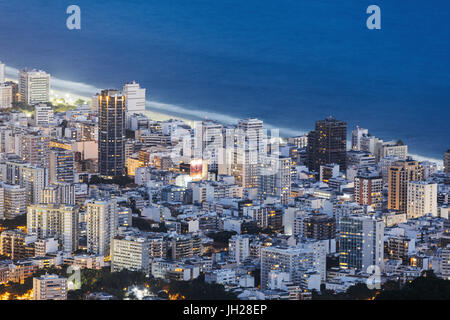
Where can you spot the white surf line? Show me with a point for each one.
(86, 91)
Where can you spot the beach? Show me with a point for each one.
(72, 91)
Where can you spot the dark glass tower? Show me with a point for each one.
(111, 133)
(327, 144)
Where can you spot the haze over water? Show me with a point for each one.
(288, 62)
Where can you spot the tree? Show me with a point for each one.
(196, 289)
(80, 102)
(222, 237)
(256, 274)
(18, 221)
(359, 291)
(122, 181)
(426, 287)
(19, 289)
(104, 280)
(146, 225)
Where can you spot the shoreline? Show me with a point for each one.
(75, 90)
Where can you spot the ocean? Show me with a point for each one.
(288, 62)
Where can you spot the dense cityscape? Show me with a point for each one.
(98, 201)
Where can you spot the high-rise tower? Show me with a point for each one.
(327, 144)
(111, 133)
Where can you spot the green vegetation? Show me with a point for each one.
(81, 101)
(114, 283)
(426, 287)
(197, 289)
(16, 289)
(60, 105)
(255, 230)
(256, 274)
(359, 291)
(146, 225)
(63, 107)
(20, 289)
(18, 221)
(222, 237)
(30, 110)
(21, 107)
(122, 181)
(117, 283)
(129, 134)
(24, 108)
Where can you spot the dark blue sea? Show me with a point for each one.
(288, 62)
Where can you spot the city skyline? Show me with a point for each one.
(241, 153)
(191, 59)
(85, 92)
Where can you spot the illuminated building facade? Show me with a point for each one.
(135, 97)
(251, 144)
(62, 165)
(130, 253)
(60, 221)
(34, 149)
(422, 199)
(369, 189)
(50, 287)
(34, 87)
(399, 174)
(102, 221)
(361, 242)
(111, 131)
(447, 162)
(327, 144)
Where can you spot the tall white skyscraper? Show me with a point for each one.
(2, 72)
(208, 143)
(13, 201)
(130, 253)
(285, 260)
(34, 86)
(102, 222)
(239, 248)
(135, 97)
(59, 193)
(34, 180)
(422, 199)
(315, 257)
(251, 145)
(445, 263)
(6, 96)
(357, 134)
(361, 242)
(6, 140)
(60, 221)
(275, 178)
(43, 115)
(34, 149)
(293, 261)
